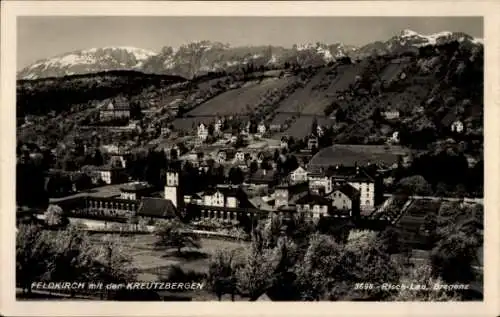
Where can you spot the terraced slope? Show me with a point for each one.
(240, 101)
(322, 97)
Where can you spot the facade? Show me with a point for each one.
(345, 198)
(284, 143)
(299, 175)
(313, 205)
(135, 191)
(224, 196)
(172, 189)
(457, 126)
(394, 139)
(391, 114)
(110, 175)
(288, 193)
(319, 181)
(117, 109)
(319, 131)
(218, 126)
(202, 132)
(261, 128)
(239, 156)
(366, 188)
(312, 143)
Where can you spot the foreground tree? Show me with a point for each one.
(174, 235)
(453, 257)
(55, 218)
(422, 275)
(33, 254)
(256, 276)
(222, 273)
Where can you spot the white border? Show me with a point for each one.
(11, 9)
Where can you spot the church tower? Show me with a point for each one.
(172, 189)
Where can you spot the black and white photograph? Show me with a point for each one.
(249, 158)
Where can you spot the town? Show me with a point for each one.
(270, 182)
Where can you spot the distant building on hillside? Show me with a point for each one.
(457, 126)
(390, 114)
(118, 108)
(452, 122)
(298, 175)
(202, 132)
(312, 143)
(261, 130)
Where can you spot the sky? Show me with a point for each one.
(44, 37)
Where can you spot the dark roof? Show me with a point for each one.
(134, 187)
(157, 207)
(346, 189)
(313, 200)
(350, 155)
(232, 191)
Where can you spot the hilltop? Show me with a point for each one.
(198, 58)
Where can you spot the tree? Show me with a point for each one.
(222, 273)
(422, 275)
(317, 273)
(33, 254)
(415, 185)
(254, 166)
(236, 176)
(112, 263)
(172, 234)
(256, 276)
(54, 217)
(453, 257)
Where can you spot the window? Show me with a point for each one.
(367, 202)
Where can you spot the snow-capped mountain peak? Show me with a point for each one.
(88, 61)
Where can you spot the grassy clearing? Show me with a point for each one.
(150, 261)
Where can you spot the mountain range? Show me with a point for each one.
(198, 58)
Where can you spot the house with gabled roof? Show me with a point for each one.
(118, 108)
(153, 208)
(313, 205)
(344, 197)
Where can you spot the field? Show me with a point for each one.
(346, 75)
(347, 154)
(301, 127)
(390, 72)
(188, 124)
(280, 118)
(241, 100)
(151, 262)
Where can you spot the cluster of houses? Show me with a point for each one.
(203, 130)
(340, 192)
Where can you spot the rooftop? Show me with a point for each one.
(157, 207)
(135, 186)
(350, 155)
